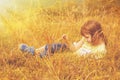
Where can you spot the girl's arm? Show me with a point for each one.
(79, 43)
(70, 44)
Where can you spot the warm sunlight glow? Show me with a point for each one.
(44, 22)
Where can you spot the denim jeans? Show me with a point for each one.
(52, 48)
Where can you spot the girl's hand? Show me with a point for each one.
(64, 37)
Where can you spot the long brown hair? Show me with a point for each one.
(95, 30)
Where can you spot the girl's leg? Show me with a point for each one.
(55, 47)
(39, 50)
(26, 48)
(50, 49)
(32, 50)
(43, 51)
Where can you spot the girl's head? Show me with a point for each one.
(93, 33)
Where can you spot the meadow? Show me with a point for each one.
(38, 26)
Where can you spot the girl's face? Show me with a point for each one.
(88, 37)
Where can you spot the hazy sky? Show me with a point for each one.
(20, 4)
(5, 4)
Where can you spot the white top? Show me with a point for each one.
(95, 51)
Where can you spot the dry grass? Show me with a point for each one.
(40, 26)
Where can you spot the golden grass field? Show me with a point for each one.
(39, 26)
